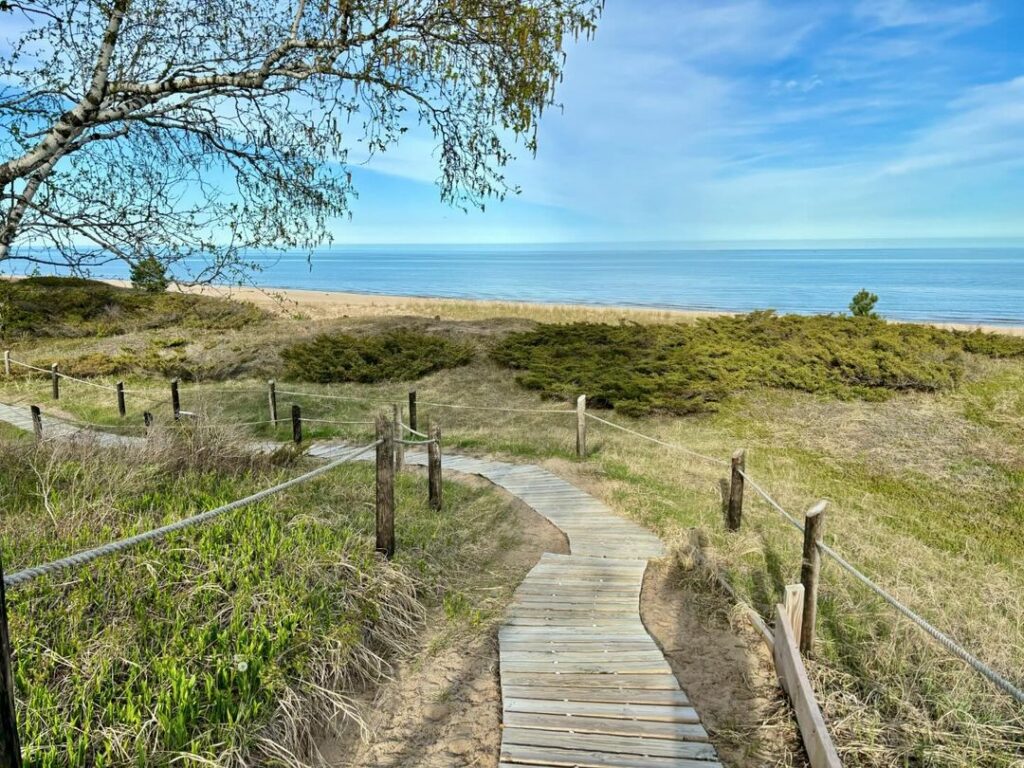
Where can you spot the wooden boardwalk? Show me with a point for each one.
(582, 683)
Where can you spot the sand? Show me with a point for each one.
(333, 304)
(327, 305)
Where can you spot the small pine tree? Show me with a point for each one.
(150, 274)
(863, 304)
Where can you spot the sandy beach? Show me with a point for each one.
(324, 305)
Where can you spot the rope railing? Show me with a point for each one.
(410, 430)
(416, 442)
(936, 634)
(673, 446)
(81, 558)
(947, 642)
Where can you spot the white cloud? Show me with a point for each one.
(908, 13)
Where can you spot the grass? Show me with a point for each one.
(924, 484)
(232, 643)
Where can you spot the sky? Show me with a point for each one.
(751, 120)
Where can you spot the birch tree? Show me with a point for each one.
(174, 128)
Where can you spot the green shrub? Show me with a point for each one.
(78, 307)
(689, 368)
(397, 355)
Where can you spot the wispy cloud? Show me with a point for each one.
(758, 119)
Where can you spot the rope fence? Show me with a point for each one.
(947, 642)
(81, 558)
(740, 476)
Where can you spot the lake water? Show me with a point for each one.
(973, 285)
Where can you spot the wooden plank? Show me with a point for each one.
(820, 750)
(651, 654)
(615, 744)
(575, 758)
(646, 728)
(609, 695)
(609, 666)
(665, 682)
(658, 713)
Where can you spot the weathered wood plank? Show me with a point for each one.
(577, 758)
(658, 713)
(609, 695)
(615, 744)
(820, 750)
(646, 728)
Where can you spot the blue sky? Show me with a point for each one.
(752, 120)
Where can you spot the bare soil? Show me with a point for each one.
(723, 666)
(442, 709)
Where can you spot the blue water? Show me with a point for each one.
(974, 285)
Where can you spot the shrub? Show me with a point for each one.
(689, 368)
(396, 355)
(863, 304)
(77, 307)
(150, 274)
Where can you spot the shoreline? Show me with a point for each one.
(326, 305)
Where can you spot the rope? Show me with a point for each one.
(66, 376)
(333, 421)
(673, 446)
(503, 410)
(293, 393)
(214, 425)
(415, 442)
(939, 636)
(81, 558)
(413, 431)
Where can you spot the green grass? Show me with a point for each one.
(231, 640)
(691, 368)
(395, 355)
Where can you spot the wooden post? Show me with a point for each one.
(385, 487)
(809, 569)
(175, 400)
(734, 513)
(7, 362)
(581, 427)
(147, 419)
(37, 422)
(398, 447)
(55, 381)
(297, 424)
(10, 744)
(121, 410)
(272, 397)
(412, 409)
(794, 605)
(434, 467)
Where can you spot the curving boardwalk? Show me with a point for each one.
(582, 683)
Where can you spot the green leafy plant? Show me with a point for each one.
(397, 355)
(863, 304)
